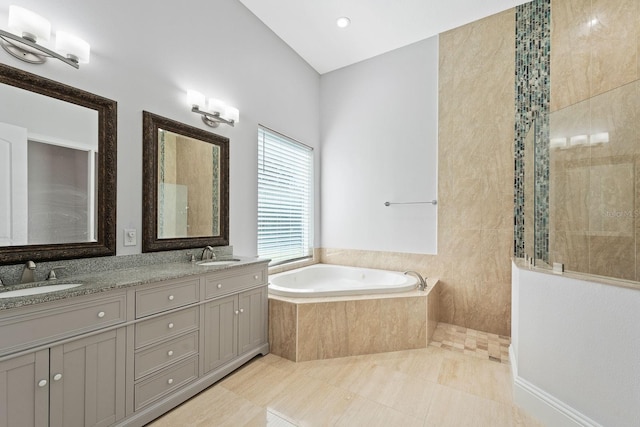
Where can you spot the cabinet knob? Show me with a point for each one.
(170, 381)
(237, 312)
(170, 353)
(171, 297)
(219, 285)
(170, 325)
(256, 277)
(42, 383)
(57, 377)
(101, 314)
(242, 310)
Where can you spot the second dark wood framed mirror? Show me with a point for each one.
(185, 186)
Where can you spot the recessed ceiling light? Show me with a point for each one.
(343, 22)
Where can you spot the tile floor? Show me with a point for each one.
(445, 384)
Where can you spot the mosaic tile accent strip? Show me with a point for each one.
(161, 179)
(533, 53)
(474, 343)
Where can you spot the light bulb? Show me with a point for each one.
(72, 47)
(28, 24)
(195, 98)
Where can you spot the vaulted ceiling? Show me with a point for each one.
(377, 26)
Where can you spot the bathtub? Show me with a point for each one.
(327, 280)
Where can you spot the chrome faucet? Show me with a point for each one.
(423, 283)
(27, 272)
(208, 253)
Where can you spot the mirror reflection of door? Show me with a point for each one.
(173, 207)
(61, 197)
(47, 190)
(13, 185)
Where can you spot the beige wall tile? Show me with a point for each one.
(571, 249)
(282, 328)
(308, 332)
(602, 249)
(332, 330)
(363, 323)
(570, 52)
(433, 311)
(613, 44)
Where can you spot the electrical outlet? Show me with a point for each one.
(130, 237)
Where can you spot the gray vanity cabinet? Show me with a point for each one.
(220, 332)
(24, 391)
(234, 324)
(64, 381)
(124, 357)
(80, 383)
(87, 380)
(252, 329)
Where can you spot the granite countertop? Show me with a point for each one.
(116, 279)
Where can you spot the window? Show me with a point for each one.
(285, 198)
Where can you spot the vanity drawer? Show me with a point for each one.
(165, 381)
(166, 326)
(59, 320)
(173, 295)
(217, 285)
(161, 355)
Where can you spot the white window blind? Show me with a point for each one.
(285, 198)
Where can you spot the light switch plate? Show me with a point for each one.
(130, 237)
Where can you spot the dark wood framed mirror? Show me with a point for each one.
(185, 186)
(58, 151)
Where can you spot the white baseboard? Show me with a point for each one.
(543, 406)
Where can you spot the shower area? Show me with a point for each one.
(582, 186)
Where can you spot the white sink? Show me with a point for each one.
(217, 262)
(38, 290)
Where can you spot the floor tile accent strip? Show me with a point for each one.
(469, 341)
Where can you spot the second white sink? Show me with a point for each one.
(217, 262)
(38, 290)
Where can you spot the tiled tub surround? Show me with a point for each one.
(303, 329)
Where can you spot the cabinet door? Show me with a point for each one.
(24, 390)
(252, 320)
(220, 332)
(88, 381)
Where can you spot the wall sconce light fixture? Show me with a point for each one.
(26, 28)
(215, 112)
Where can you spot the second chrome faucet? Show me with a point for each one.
(208, 254)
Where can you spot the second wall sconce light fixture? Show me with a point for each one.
(26, 28)
(215, 112)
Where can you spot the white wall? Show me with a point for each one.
(576, 346)
(379, 143)
(146, 54)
